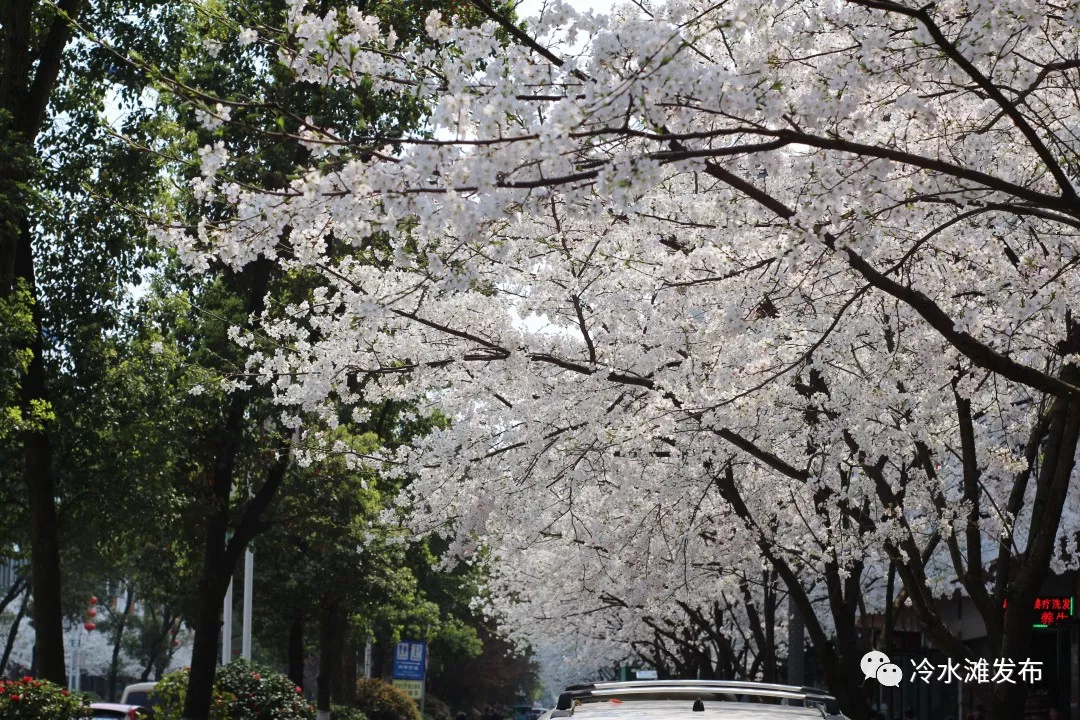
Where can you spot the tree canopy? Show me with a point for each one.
(789, 280)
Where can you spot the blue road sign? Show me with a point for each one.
(410, 657)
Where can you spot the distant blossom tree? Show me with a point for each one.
(686, 608)
(813, 262)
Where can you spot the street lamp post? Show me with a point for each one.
(75, 676)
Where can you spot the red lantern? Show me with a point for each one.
(89, 626)
(93, 600)
(91, 613)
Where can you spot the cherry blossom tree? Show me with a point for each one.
(670, 611)
(804, 267)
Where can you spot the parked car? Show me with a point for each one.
(117, 711)
(138, 694)
(684, 699)
(141, 695)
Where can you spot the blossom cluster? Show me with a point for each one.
(727, 284)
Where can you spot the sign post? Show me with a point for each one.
(410, 668)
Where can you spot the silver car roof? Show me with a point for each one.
(684, 690)
(683, 710)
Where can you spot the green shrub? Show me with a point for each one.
(242, 691)
(261, 694)
(437, 709)
(340, 712)
(169, 694)
(382, 701)
(30, 699)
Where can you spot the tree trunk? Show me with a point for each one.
(839, 665)
(222, 554)
(212, 588)
(768, 673)
(296, 647)
(348, 672)
(331, 644)
(155, 645)
(13, 592)
(170, 627)
(205, 651)
(118, 637)
(1059, 455)
(383, 660)
(14, 631)
(796, 645)
(41, 489)
(147, 669)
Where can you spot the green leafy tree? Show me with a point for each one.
(68, 250)
(252, 83)
(121, 456)
(16, 330)
(330, 560)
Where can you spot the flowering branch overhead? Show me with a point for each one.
(770, 241)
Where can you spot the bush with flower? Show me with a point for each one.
(261, 694)
(243, 690)
(30, 699)
(169, 693)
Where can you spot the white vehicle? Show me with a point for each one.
(685, 699)
(117, 711)
(139, 694)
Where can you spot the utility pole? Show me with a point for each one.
(226, 630)
(249, 583)
(73, 669)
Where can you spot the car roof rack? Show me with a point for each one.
(695, 688)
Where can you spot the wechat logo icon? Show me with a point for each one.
(876, 664)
